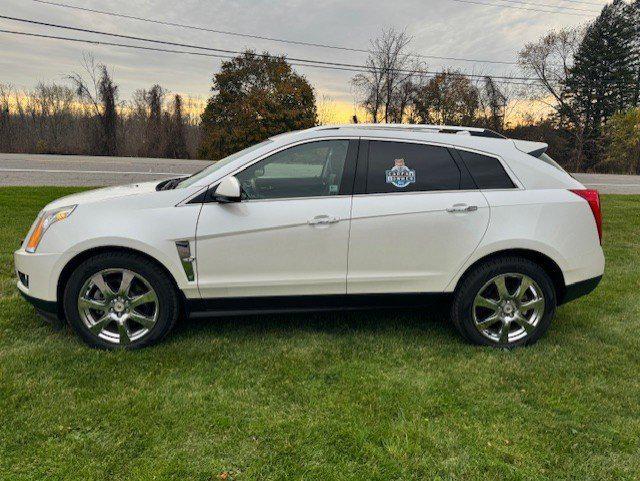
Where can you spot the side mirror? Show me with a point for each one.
(227, 191)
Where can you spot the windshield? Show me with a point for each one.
(219, 164)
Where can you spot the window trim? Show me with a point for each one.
(349, 169)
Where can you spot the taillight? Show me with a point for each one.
(593, 198)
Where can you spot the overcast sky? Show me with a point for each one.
(438, 27)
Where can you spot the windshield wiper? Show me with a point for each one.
(169, 184)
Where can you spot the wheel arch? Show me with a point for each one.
(550, 266)
(80, 257)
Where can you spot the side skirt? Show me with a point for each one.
(224, 306)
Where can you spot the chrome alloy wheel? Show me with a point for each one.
(118, 305)
(508, 307)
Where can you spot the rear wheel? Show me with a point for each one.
(504, 302)
(120, 300)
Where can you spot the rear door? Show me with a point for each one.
(289, 234)
(416, 217)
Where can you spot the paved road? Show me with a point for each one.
(24, 169)
(610, 183)
(72, 170)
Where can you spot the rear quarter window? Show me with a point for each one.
(487, 171)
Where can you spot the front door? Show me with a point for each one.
(416, 221)
(289, 235)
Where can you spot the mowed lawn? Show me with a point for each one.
(369, 396)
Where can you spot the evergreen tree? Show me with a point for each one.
(603, 78)
(633, 12)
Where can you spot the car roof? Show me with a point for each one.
(473, 138)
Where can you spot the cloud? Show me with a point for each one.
(438, 27)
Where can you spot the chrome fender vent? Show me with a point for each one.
(184, 253)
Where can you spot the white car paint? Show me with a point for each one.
(405, 242)
(409, 242)
(273, 247)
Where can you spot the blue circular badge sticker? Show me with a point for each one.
(400, 175)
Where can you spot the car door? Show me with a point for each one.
(416, 217)
(289, 234)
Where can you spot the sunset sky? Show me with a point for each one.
(446, 28)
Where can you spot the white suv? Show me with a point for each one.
(342, 217)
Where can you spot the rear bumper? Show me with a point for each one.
(579, 289)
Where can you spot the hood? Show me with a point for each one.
(103, 194)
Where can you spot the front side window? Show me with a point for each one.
(405, 167)
(307, 170)
(219, 164)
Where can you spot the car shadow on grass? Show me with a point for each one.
(432, 321)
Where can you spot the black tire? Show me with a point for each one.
(167, 298)
(474, 281)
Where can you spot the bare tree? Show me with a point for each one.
(549, 61)
(54, 104)
(386, 87)
(176, 144)
(6, 143)
(155, 139)
(326, 107)
(102, 95)
(493, 102)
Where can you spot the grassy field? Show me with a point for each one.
(384, 395)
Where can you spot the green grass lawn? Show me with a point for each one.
(373, 395)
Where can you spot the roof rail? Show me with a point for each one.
(442, 129)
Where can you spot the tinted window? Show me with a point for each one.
(487, 172)
(307, 170)
(404, 167)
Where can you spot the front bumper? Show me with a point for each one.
(37, 283)
(42, 272)
(45, 307)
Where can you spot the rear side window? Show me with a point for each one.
(405, 167)
(487, 172)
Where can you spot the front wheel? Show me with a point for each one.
(120, 300)
(504, 302)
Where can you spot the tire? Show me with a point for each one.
(120, 300)
(518, 314)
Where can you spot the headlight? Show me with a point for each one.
(44, 221)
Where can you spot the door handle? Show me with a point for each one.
(323, 220)
(462, 208)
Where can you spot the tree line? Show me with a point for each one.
(588, 79)
(85, 116)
